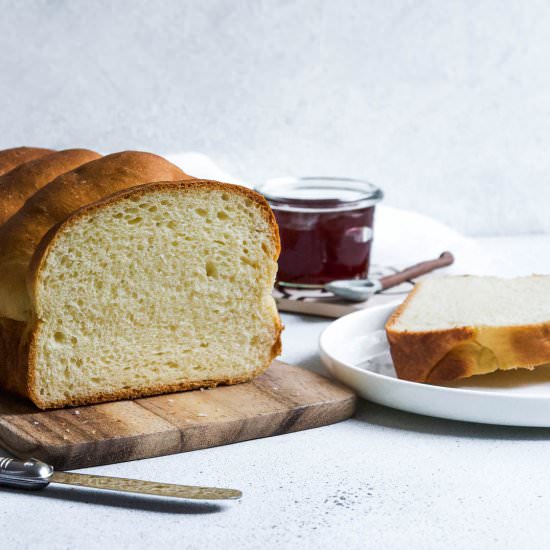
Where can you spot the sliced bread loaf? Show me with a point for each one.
(159, 288)
(11, 158)
(22, 182)
(455, 327)
(21, 234)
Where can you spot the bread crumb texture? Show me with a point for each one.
(448, 302)
(160, 288)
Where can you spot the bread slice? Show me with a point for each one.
(11, 158)
(21, 234)
(22, 182)
(159, 288)
(456, 327)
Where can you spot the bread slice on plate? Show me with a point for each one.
(456, 327)
(11, 158)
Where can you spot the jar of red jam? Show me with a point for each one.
(325, 226)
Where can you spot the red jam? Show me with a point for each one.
(325, 226)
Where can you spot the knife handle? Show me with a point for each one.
(24, 474)
(445, 259)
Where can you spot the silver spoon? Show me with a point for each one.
(359, 290)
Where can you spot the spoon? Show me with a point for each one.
(359, 290)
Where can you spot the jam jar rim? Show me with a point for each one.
(371, 194)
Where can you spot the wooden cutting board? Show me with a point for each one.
(284, 399)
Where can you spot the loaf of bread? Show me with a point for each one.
(22, 182)
(12, 158)
(456, 327)
(159, 287)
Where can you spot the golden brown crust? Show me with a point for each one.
(415, 354)
(22, 182)
(439, 356)
(12, 158)
(23, 381)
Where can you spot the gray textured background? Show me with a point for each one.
(444, 104)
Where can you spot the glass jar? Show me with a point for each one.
(325, 226)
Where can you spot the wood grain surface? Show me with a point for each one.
(284, 399)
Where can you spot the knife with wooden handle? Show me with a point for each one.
(33, 474)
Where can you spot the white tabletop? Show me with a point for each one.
(384, 479)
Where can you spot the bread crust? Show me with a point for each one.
(11, 158)
(439, 356)
(23, 381)
(22, 182)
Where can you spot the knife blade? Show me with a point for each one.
(34, 474)
(144, 487)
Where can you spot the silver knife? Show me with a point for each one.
(33, 474)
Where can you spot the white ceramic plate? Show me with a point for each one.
(355, 350)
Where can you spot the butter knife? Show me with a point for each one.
(33, 474)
